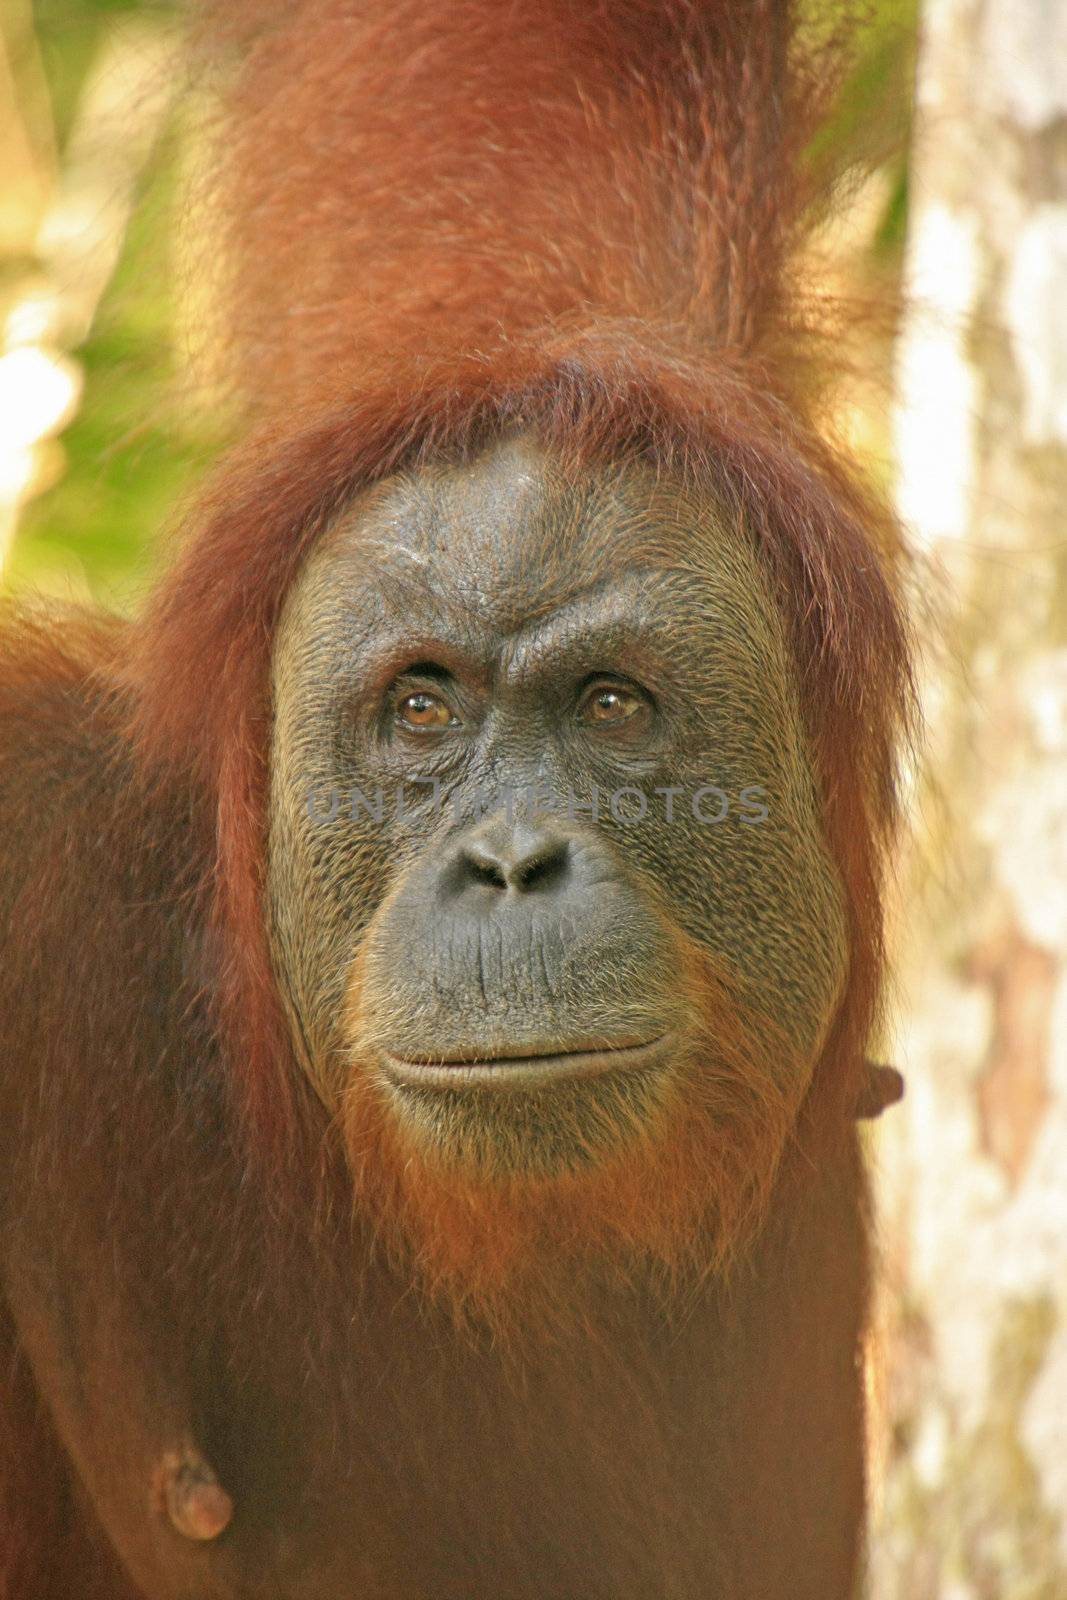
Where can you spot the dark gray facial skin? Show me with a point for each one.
(503, 627)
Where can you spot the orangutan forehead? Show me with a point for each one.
(519, 533)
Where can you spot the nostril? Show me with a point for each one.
(542, 869)
(486, 872)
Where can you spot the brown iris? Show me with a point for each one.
(608, 703)
(425, 711)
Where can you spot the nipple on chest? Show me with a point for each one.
(189, 1495)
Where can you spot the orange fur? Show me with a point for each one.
(424, 179)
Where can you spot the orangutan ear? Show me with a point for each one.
(882, 1086)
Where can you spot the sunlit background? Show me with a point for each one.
(97, 438)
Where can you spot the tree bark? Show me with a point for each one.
(970, 1370)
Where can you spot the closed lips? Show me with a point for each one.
(524, 1065)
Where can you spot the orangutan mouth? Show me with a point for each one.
(525, 1067)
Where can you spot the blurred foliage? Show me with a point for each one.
(69, 35)
(871, 121)
(134, 449)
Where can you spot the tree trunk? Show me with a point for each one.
(971, 1370)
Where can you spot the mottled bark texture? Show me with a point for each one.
(973, 1337)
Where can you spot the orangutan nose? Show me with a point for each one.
(518, 858)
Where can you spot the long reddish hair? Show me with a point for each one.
(444, 220)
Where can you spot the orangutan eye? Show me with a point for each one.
(425, 712)
(609, 704)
